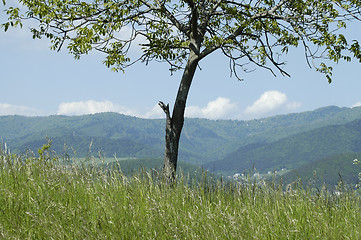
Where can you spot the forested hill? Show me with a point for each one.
(202, 140)
(294, 151)
(112, 133)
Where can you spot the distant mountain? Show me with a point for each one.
(214, 140)
(202, 141)
(111, 133)
(294, 151)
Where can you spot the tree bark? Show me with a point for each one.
(174, 123)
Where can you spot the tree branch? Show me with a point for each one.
(169, 15)
(239, 30)
(190, 3)
(204, 24)
(165, 109)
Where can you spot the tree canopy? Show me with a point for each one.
(247, 31)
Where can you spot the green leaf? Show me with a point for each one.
(329, 79)
(6, 26)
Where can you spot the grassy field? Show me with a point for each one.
(43, 199)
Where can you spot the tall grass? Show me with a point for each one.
(41, 198)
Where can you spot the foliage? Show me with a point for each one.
(247, 31)
(40, 198)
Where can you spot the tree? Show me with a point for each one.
(182, 33)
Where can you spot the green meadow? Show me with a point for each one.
(42, 197)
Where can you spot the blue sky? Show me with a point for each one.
(38, 81)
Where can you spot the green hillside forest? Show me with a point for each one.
(292, 142)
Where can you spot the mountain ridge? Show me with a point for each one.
(293, 151)
(202, 140)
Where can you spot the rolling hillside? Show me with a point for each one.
(294, 152)
(220, 144)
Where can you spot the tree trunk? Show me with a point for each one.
(174, 123)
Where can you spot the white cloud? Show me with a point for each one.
(220, 108)
(88, 107)
(91, 107)
(217, 109)
(9, 109)
(271, 101)
(155, 112)
(358, 104)
(268, 101)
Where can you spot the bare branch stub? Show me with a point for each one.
(165, 108)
